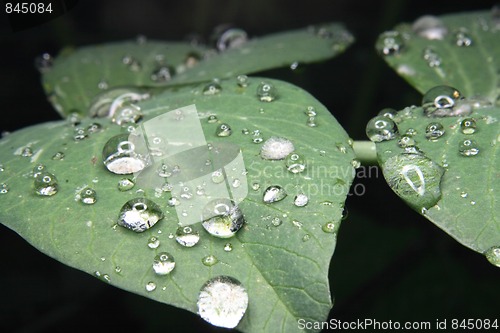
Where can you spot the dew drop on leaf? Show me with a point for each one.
(390, 43)
(153, 242)
(212, 119)
(434, 131)
(150, 286)
(462, 38)
(493, 255)
(430, 27)
(329, 227)
(301, 200)
(88, 196)
(295, 163)
(274, 193)
(45, 184)
(231, 38)
(276, 148)
(266, 92)
(125, 184)
(381, 128)
(468, 126)
(223, 130)
(4, 188)
(468, 147)
(222, 218)
(186, 236)
(119, 156)
(242, 81)
(162, 74)
(163, 263)
(139, 214)
(228, 247)
(212, 88)
(442, 101)
(222, 301)
(209, 261)
(132, 63)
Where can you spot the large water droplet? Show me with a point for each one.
(119, 156)
(381, 128)
(468, 147)
(222, 218)
(139, 214)
(45, 184)
(430, 27)
(222, 301)
(390, 43)
(434, 131)
(415, 178)
(441, 101)
(186, 236)
(163, 263)
(274, 193)
(493, 255)
(266, 92)
(276, 148)
(468, 126)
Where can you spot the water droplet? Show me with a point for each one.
(27, 152)
(434, 131)
(406, 141)
(150, 286)
(257, 140)
(119, 156)
(4, 188)
(218, 176)
(468, 126)
(306, 237)
(212, 88)
(139, 214)
(88, 196)
(45, 184)
(132, 64)
(300, 200)
(297, 224)
(102, 84)
(94, 128)
(430, 27)
(440, 101)
(390, 43)
(381, 128)
(212, 119)
(163, 74)
(124, 112)
(274, 193)
(295, 163)
(329, 227)
(236, 183)
(228, 247)
(468, 147)
(44, 62)
(255, 186)
(222, 301)
(231, 38)
(276, 148)
(163, 263)
(266, 92)
(125, 184)
(493, 255)
(153, 242)
(388, 113)
(464, 194)
(80, 134)
(242, 81)
(222, 218)
(311, 122)
(186, 236)
(462, 38)
(431, 57)
(223, 130)
(209, 260)
(118, 269)
(245, 131)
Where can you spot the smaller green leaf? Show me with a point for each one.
(446, 168)
(459, 50)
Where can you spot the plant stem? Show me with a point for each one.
(366, 152)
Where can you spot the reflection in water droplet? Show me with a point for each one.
(150, 286)
(186, 236)
(125, 184)
(406, 141)
(301, 200)
(390, 43)
(119, 156)
(163, 263)
(415, 178)
(45, 184)
(222, 301)
(139, 214)
(442, 101)
(209, 260)
(434, 131)
(468, 126)
(274, 193)
(493, 255)
(430, 27)
(222, 218)
(381, 128)
(153, 242)
(276, 148)
(266, 92)
(295, 163)
(468, 147)
(223, 130)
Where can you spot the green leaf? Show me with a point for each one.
(465, 58)
(451, 184)
(74, 80)
(284, 268)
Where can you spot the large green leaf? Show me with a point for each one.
(452, 184)
(459, 50)
(77, 77)
(281, 255)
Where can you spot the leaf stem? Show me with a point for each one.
(366, 152)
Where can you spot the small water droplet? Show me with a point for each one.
(462, 38)
(257, 140)
(44, 62)
(163, 263)
(212, 119)
(311, 122)
(381, 128)
(493, 255)
(186, 236)
(255, 186)
(118, 269)
(242, 81)
(213, 88)
(27, 152)
(297, 224)
(102, 84)
(434, 131)
(88, 196)
(468, 126)
(390, 43)
(80, 134)
(132, 63)
(139, 214)
(464, 194)
(276, 148)
(300, 200)
(430, 27)
(163, 74)
(440, 101)
(228, 247)
(468, 147)
(94, 128)
(230, 38)
(406, 141)
(45, 184)
(236, 183)
(119, 156)
(150, 286)
(266, 92)
(4, 188)
(209, 260)
(306, 237)
(125, 112)
(329, 227)
(222, 218)
(223, 130)
(432, 58)
(153, 242)
(295, 163)
(274, 193)
(125, 184)
(222, 301)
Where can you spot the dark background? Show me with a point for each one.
(390, 263)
